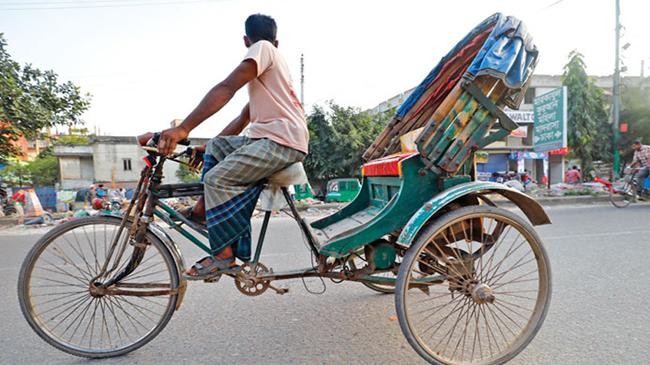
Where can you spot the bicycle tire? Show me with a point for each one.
(409, 302)
(28, 281)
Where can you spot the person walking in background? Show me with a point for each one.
(573, 175)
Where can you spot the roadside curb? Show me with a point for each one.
(8, 221)
(568, 200)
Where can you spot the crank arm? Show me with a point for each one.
(280, 291)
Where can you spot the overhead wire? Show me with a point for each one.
(92, 4)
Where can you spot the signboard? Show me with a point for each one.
(521, 116)
(521, 132)
(549, 132)
(559, 151)
(525, 155)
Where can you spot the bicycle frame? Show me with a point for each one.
(148, 204)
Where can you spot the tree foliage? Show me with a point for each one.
(338, 137)
(31, 99)
(589, 133)
(16, 173)
(636, 112)
(186, 175)
(44, 170)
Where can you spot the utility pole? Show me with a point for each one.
(616, 108)
(642, 69)
(302, 79)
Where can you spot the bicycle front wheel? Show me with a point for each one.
(57, 298)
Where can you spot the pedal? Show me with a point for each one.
(280, 291)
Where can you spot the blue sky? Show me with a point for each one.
(153, 60)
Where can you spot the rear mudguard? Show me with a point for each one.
(475, 189)
(174, 250)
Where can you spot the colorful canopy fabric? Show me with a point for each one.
(508, 53)
(500, 46)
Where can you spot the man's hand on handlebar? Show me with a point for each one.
(196, 158)
(169, 138)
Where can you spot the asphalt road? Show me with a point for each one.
(600, 259)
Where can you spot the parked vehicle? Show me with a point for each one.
(303, 191)
(342, 190)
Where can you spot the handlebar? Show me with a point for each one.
(156, 137)
(149, 142)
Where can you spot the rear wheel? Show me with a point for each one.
(622, 195)
(57, 296)
(488, 287)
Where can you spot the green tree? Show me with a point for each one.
(72, 140)
(44, 170)
(16, 173)
(338, 137)
(186, 175)
(589, 133)
(31, 99)
(636, 112)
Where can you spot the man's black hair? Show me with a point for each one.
(261, 27)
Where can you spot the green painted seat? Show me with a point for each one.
(384, 204)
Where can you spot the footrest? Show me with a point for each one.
(345, 225)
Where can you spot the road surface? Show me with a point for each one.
(600, 258)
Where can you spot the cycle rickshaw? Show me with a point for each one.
(471, 280)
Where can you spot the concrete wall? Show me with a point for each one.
(103, 162)
(76, 171)
(108, 160)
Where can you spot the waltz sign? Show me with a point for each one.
(549, 131)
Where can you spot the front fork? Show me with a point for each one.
(137, 232)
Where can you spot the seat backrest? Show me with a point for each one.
(495, 60)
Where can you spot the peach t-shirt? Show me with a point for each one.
(275, 111)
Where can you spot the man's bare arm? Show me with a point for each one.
(238, 124)
(213, 101)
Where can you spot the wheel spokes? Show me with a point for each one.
(63, 304)
(491, 292)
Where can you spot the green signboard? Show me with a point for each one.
(550, 110)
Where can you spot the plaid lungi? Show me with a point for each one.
(234, 171)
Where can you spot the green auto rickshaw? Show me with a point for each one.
(342, 190)
(303, 191)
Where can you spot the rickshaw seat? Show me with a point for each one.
(293, 174)
(387, 166)
(272, 198)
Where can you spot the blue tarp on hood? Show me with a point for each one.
(508, 54)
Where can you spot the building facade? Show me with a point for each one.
(112, 160)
